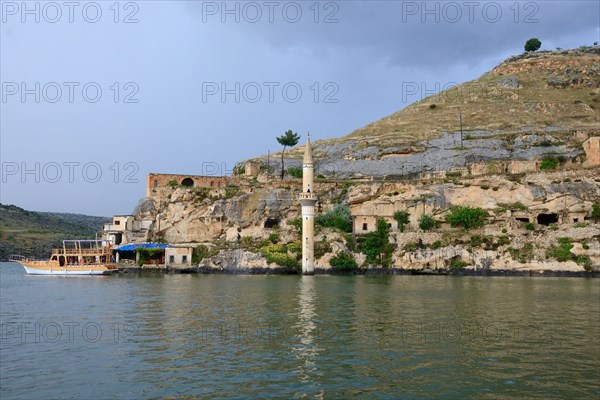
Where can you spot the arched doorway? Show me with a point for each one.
(188, 182)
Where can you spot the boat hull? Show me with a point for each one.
(40, 269)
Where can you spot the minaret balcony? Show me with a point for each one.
(306, 196)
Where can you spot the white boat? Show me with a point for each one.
(76, 257)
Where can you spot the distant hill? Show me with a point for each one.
(33, 234)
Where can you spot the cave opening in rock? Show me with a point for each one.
(272, 223)
(523, 219)
(547, 219)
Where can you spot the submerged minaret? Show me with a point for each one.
(308, 201)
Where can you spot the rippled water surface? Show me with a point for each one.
(184, 336)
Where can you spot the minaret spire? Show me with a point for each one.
(308, 158)
(308, 201)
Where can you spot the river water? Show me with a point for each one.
(220, 336)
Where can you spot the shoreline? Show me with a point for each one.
(160, 269)
(366, 272)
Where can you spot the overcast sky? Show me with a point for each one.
(97, 94)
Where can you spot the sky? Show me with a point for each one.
(95, 95)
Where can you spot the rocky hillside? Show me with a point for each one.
(32, 233)
(520, 161)
(528, 107)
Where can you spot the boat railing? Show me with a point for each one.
(16, 257)
(81, 252)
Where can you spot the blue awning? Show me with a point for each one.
(133, 246)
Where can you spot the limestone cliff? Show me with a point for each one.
(529, 155)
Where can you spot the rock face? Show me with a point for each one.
(189, 216)
(529, 112)
(450, 151)
(236, 260)
(255, 212)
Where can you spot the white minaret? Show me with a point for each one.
(308, 201)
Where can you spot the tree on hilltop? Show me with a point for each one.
(290, 139)
(533, 44)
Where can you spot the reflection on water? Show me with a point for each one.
(307, 348)
(184, 336)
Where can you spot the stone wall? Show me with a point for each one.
(592, 151)
(178, 255)
(161, 180)
(251, 168)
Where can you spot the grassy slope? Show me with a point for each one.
(33, 233)
(486, 104)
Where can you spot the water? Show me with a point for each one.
(184, 336)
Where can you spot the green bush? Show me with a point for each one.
(247, 241)
(350, 242)
(426, 222)
(339, 217)
(295, 247)
(173, 183)
(467, 217)
(201, 252)
(296, 223)
(503, 240)
(274, 248)
(549, 163)
(295, 172)
(278, 254)
(283, 260)
(410, 247)
(563, 251)
(343, 261)
(376, 245)
(274, 237)
(458, 264)
(476, 241)
(596, 212)
(435, 245)
(321, 248)
(231, 190)
(533, 44)
(402, 218)
(530, 226)
(585, 262)
(522, 255)
(512, 206)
